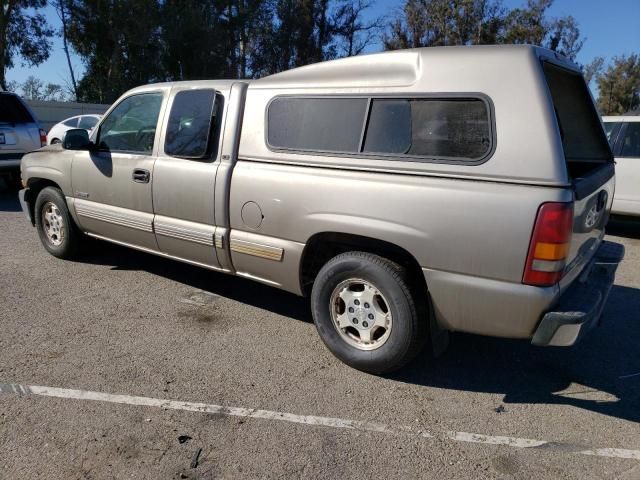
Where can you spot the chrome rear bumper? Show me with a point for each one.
(580, 306)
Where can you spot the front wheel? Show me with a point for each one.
(58, 233)
(366, 314)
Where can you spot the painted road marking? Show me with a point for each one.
(313, 420)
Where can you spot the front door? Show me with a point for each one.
(184, 176)
(112, 183)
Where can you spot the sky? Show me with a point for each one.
(611, 27)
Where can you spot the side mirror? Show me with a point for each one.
(76, 139)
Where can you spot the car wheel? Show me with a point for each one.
(57, 230)
(55, 140)
(366, 314)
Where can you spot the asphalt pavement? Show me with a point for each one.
(125, 365)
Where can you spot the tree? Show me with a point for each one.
(619, 86)
(62, 10)
(355, 33)
(425, 23)
(35, 89)
(118, 40)
(530, 25)
(32, 88)
(299, 32)
(230, 29)
(195, 43)
(445, 22)
(24, 32)
(591, 70)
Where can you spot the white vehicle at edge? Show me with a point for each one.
(624, 136)
(59, 130)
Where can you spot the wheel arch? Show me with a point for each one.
(35, 185)
(323, 246)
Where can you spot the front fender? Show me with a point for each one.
(51, 164)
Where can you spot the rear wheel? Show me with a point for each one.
(58, 233)
(365, 312)
(55, 140)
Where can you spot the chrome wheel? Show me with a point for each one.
(361, 314)
(53, 224)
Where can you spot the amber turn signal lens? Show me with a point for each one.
(551, 251)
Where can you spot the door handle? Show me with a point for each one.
(141, 175)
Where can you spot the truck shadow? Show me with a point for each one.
(228, 286)
(600, 374)
(624, 226)
(8, 197)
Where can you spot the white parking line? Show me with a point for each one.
(313, 420)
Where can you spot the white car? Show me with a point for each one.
(59, 130)
(624, 137)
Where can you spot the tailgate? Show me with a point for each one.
(19, 132)
(588, 161)
(593, 196)
(20, 138)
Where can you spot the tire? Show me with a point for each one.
(388, 346)
(65, 243)
(55, 140)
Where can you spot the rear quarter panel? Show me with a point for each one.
(475, 228)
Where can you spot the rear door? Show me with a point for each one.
(112, 184)
(185, 173)
(627, 198)
(19, 132)
(588, 159)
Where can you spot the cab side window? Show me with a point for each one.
(131, 126)
(631, 141)
(189, 133)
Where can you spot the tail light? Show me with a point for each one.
(549, 245)
(43, 138)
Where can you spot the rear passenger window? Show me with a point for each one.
(72, 122)
(321, 124)
(189, 128)
(631, 141)
(446, 128)
(435, 128)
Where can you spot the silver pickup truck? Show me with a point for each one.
(408, 193)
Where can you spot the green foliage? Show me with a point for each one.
(119, 44)
(592, 69)
(619, 86)
(126, 43)
(24, 32)
(425, 23)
